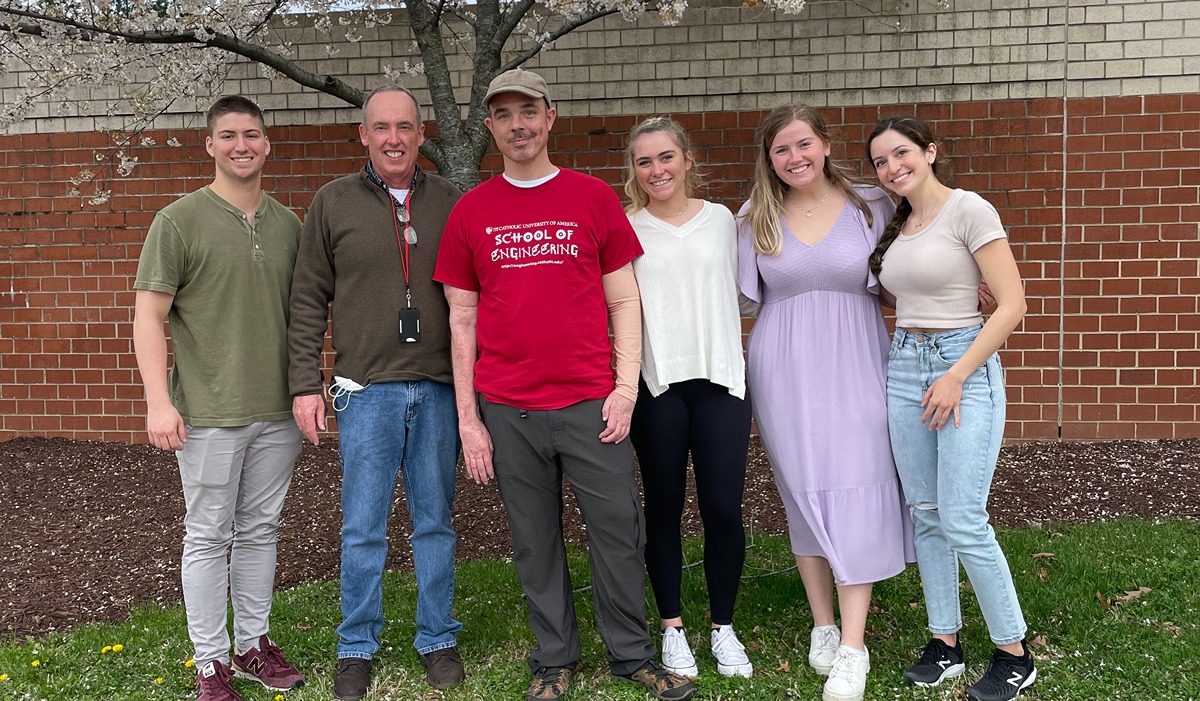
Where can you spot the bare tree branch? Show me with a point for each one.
(512, 18)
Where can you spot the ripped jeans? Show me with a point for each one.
(947, 475)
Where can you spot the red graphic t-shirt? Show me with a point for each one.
(536, 256)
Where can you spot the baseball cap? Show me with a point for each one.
(519, 81)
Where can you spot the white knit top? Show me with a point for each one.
(691, 326)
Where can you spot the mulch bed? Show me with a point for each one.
(96, 528)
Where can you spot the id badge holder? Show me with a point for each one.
(410, 325)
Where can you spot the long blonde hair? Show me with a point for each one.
(766, 194)
(638, 199)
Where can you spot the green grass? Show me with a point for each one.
(1099, 642)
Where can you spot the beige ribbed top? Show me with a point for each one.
(933, 274)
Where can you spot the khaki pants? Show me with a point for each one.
(234, 482)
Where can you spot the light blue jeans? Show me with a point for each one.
(386, 430)
(947, 475)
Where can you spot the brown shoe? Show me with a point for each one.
(549, 684)
(352, 679)
(443, 668)
(660, 683)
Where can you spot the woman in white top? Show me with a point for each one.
(946, 400)
(692, 393)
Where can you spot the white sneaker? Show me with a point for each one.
(822, 647)
(677, 655)
(848, 676)
(730, 653)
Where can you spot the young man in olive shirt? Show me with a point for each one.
(218, 265)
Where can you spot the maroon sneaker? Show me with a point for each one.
(212, 683)
(265, 665)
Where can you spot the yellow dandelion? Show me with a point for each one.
(3, 677)
(189, 663)
(158, 680)
(35, 663)
(118, 647)
(106, 649)
(278, 697)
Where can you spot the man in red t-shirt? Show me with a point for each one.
(536, 263)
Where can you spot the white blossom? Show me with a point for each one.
(126, 163)
(398, 75)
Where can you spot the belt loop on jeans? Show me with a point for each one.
(523, 414)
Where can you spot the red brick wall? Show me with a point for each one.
(1112, 313)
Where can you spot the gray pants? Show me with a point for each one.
(534, 450)
(234, 482)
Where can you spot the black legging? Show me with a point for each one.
(714, 425)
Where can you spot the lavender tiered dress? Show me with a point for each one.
(817, 366)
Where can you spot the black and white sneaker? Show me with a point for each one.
(938, 663)
(1007, 675)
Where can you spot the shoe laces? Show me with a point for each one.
(1003, 665)
(274, 655)
(218, 685)
(726, 644)
(827, 637)
(844, 665)
(550, 676)
(661, 678)
(934, 650)
(675, 643)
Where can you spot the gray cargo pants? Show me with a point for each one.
(534, 450)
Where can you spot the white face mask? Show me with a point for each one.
(340, 390)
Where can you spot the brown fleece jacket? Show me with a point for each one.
(349, 255)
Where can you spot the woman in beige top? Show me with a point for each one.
(946, 399)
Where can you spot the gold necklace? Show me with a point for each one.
(808, 212)
(936, 206)
(672, 216)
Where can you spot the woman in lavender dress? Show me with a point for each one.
(817, 368)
